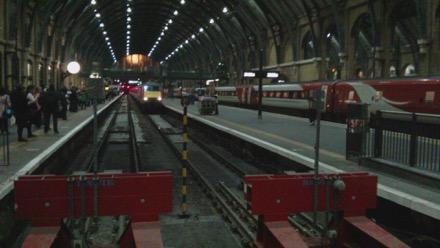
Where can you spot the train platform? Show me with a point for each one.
(25, 157)
(294, 138)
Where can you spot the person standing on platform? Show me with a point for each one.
(312, 110)
(22, 113)
(64, 103)
(216, 102)
(33, 107)
(5, 102)
(38, 117)
(50, 103)
(73, 99)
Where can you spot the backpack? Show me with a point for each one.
(7, 113)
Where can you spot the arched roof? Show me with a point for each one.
(244, 20)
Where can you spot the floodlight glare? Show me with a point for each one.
(73, 67)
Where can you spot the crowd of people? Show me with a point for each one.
(30, 106)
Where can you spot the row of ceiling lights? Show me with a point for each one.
(201, 30)
(170, 21)
(129, 10)
(104, 33)
(162, 33)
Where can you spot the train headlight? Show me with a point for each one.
(145, 98)
(159, 98)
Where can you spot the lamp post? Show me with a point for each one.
(72, 68)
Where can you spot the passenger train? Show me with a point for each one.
(412, 95)
(149, 94)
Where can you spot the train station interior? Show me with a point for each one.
(222, 123)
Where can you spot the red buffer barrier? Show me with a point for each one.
(46, 200)
(274, 197)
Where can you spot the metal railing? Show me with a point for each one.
(407, 139)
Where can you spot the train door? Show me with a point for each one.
(338, 101)
(248, 94)
(324, 92)
(245, 95)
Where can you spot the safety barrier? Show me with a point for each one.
(406, 139)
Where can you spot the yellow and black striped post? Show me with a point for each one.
(184, 102)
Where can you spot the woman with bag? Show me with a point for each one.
(5, 102)
(21, 113)
(32, 95)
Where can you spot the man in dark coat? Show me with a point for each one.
(22, 113)
(50, 103)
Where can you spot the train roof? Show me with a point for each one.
(410, 79)
(151, 83)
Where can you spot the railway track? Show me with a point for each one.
(227, 198)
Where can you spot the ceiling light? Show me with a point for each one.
(211, 21)
(193, 36)
(98, 15)
(129, 10)
(101, 25)
(161, 34)
(166, 28)
(176, 12)
(225, 10)
(129, 19)
(201, 30)
(93, 2)
(182, 2)
(170, 21)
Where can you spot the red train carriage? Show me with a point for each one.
(420, 95)
(413, 95)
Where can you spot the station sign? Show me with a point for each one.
(261, 74)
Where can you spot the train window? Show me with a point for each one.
(378, 95)
(286, 95)
(271, 94)
(295, 95)
(429, 96)
(351, 95)
(278, 94)
(264, 94)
